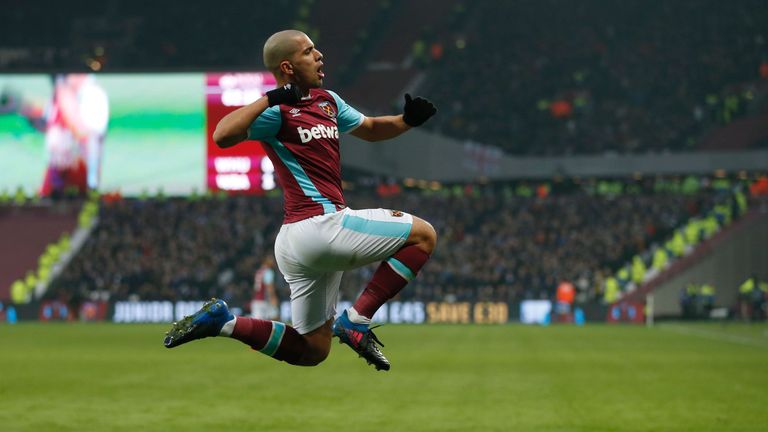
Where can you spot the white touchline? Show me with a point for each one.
(742, 340)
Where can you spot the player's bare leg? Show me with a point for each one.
(272, 338)
(352, 327)
(318, 345)
(422, 235)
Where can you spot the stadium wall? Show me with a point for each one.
(25, 233)
(725, 263)
(427, 154)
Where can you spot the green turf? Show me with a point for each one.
(108, 377)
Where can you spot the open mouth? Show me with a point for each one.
(320, 72)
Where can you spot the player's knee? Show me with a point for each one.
(431, 239)
(316, 356)
(318, 346)
(427, 236)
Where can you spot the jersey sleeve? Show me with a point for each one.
(266, 125)
(347, 118)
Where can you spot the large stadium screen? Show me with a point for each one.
(245, 167)
(132, 133)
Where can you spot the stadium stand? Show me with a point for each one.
(643, 80)
(579, 78)
(140, 35)
(585, 78)
(497, 242)
(26, 230)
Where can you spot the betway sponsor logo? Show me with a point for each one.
(317, 132)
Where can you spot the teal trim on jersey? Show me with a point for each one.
(266, 125)
(347, 118)
(301, 176)
(374, 227)
(278, 330)
(401, 268)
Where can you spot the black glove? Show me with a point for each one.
(417, 111)
(288, 94)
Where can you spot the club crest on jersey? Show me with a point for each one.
(327, 109)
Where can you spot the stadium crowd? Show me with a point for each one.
(595, 77)
(534, 78)
(172, 248)
(499, 245)
(496, 242)
(135, 36)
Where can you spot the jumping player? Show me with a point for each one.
(299, 125)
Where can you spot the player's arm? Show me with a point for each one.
(415, 113)
(380, 128)
(35, 115)
(233, 128)
(68, 106)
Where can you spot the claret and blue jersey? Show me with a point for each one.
(302, 141)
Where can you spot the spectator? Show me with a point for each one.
(589, 77)
(496, 246)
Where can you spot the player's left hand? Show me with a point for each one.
(417, 111)
(288, 94)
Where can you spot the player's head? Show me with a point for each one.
(291, 56)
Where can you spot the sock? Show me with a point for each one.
(356, 318)
(228, 327)
(391, 276)
(272, 338)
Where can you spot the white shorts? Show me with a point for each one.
(261, 309)
(313, 254)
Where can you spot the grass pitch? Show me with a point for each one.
(673, 377)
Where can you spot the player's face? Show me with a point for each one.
(307, 64)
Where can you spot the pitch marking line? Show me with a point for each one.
(741, 340)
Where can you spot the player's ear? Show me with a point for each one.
(286, 67)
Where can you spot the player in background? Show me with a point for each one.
(565, 296)
(264, 303)
(299, 124)
(75, 124)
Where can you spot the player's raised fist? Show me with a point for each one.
(288, 94)
(417, 111)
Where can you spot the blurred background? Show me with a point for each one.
(591, 161)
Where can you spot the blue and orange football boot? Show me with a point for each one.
(206, 322)
(361, 339)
